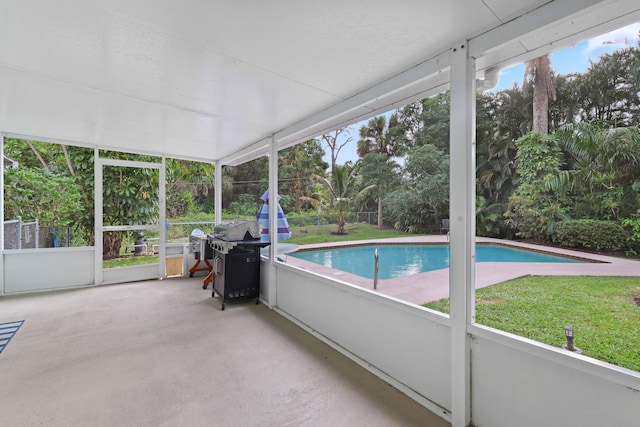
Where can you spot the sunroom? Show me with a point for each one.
(228, 82)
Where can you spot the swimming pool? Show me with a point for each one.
(404, 260)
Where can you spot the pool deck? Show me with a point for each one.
(434, 285)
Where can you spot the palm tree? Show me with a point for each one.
(495, 170)
(603, 162)
(513, 118)
(538, 72)
(489, 217)
(375, 138)
(380, 174)
(341, 189)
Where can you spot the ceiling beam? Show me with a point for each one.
(354, 106)
(527, 23)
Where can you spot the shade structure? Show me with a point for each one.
(284, 231)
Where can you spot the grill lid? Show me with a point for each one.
(238, 230)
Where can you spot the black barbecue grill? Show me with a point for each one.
(236, 259)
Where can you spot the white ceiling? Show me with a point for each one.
(204, 79)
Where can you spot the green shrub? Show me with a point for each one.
(304, 219)
(632, 225)
(590, 234)
(37, 194)
(179, 204)
(246, 205)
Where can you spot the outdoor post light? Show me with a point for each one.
(568, 333)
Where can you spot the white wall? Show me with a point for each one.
(404, 344)
(520, 382)
(130, 274)
(264, 280)
(515, 381)
(28, 270)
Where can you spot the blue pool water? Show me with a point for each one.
(403, 260)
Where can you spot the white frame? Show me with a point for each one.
(127, 274)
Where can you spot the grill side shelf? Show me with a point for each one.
(221, 246)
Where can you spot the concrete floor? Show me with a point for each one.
(162, 353)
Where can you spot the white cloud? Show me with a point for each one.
(618, 39)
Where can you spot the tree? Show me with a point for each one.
(514, 113)
(533, 208)
(379, 174)
(609, 90)
(37, 154)
(603, 166)
(247, 178)
(334, 143)
(495, 172)
(435, 118)
(187, 181)
(424, 196)
(36, 194)
(488, 218)
(297, 164)
(341, 188)
(404, 126)
(539, 74)
(375, 138)
(130, 196)
(566, 107)
(56, 162)
(427, 170)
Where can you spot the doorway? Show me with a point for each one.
(129, 217)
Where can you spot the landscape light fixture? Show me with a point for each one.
(568, 333)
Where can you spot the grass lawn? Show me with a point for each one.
(323, 233)
(300, 235)
(129, 260)
(602, 310)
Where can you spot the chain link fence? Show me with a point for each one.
(366, 217)
(324, 219)
(32, 235)
(12, 235)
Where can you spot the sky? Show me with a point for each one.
(573, 59)
(576, 58)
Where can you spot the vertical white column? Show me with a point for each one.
(273, 221)
(217, 195)
(97, 215)
(2, 215)
(162, 194)
(462, 226)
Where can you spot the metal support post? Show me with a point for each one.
(462, 229)
(217, 193)
(273, 222)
